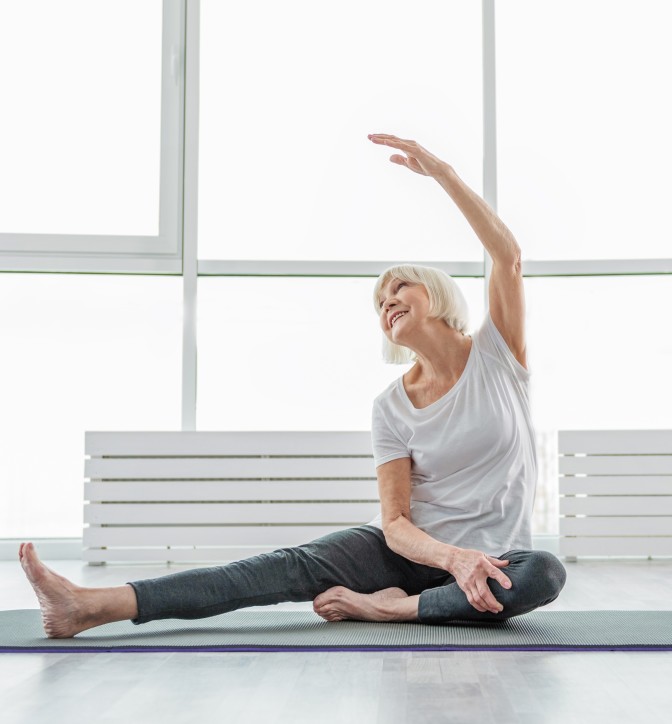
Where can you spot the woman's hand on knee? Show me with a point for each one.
(471, 569)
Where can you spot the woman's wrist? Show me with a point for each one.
(446, 175)
(448, 554)
(408, 541)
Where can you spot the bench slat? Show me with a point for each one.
(616, 464)
(227, 443)
(605, 442)
(616, 485)
(232, 468)
(620, 546)
(617, 505)
(175, 555)
(224, 490)
(617, 525)
(229, 514)
(279, 536)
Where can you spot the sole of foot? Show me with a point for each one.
(62, 613)
(340, 604)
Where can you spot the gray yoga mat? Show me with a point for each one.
(273, 630)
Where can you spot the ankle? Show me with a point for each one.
(403, 609)
(105, 605)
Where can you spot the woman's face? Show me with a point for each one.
(403, 306)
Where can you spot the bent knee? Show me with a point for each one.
(548, 574)
(540, 572)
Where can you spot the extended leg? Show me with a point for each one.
(537, 578)
(357, 558)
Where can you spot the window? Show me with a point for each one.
(80, 352)
(584, 127)
(289, 92)
(600, 355)
(294, 354)
(105, 163)
(91, 149)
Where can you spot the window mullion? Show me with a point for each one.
(190, 216)
(489, 126)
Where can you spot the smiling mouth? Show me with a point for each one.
(396, 317)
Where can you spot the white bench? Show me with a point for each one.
(219, 496)
(615, 493)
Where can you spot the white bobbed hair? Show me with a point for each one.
(446, 302)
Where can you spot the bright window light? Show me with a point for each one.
(293, 354)
(81, 122)
(80, 352)
(289, 92)
(584, 120)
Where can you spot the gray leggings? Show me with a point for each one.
(357, 558)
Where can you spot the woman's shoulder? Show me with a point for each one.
(390, 391)
(490, 342)
(487, 334)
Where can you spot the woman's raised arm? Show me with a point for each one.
(506, 293)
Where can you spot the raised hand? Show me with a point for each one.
(417, 158)
(471, 569)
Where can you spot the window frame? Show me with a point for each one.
(127, 254)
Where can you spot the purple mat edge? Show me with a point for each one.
(317, 649)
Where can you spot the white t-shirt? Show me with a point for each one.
(473, 455)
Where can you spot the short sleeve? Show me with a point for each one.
(492, 342)
(387, 445)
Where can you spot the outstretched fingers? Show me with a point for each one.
(388, 140)
(396, 158)
(418, 159)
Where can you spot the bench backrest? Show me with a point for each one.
(615, 492)
(217, 496)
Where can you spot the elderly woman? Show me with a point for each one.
(455, 458)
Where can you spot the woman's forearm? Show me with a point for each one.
(414, 544)
(490, 229)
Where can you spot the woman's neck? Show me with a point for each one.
(442, 356)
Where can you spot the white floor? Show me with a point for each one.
(474, 687)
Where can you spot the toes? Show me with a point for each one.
(329, 603)
(329, 595)
(28, 558)
(27, 552)
(330, 615)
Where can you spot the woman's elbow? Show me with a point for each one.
(390, 529)
(509, 262)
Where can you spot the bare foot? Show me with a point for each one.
(63, 612)
(391, 604)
